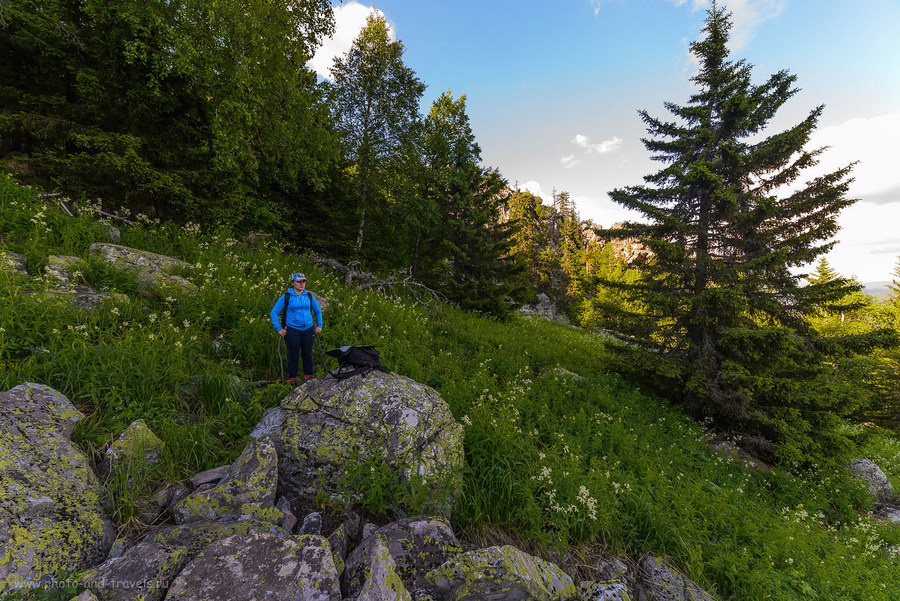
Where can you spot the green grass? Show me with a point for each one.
(562, 464)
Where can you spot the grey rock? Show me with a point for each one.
(211, 476)
(368, 530)
(61, 272)
(417, 545)
(498, 573)
(154, 272)
(312, 524)
(61, 269)
(112, 233)
(166, 497)
(289, 520)
(338, 542)
(612, 569)
(545, 308)
(660, 582)
(327, 423)
(196, 536)
(269, 424)
(120, 546)
(873, 478)
(248, 490)
(890, 514)
(51, 501)
(145, 570)
(383, 583)
(604, 591)
(86, 595)
(562, 373)
(11, 262)
(260, 567)
(133, 450)
(351, 523)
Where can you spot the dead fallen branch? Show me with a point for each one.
(388, 287)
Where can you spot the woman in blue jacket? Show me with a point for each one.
(299, 329)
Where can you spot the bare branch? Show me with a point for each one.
(388, 287)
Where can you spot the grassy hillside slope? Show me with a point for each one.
(569, 467)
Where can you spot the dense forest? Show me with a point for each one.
(206, 113)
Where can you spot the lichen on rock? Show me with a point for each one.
(258, 567)
(417, 545)
(51, 514)
(154, 272)
(497, 573)
(135, 447)
(382, 582)
(328, 423)
(247, 491)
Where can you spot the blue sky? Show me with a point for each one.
(553, 88)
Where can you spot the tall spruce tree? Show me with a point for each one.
(467, 253)
(730, 224)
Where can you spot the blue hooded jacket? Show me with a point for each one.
(299, 316)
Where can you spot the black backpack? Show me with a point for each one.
(353, 360)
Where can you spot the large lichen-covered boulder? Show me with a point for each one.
(327, 424)
(417, 546)
(142, 573)
(135, 447)
(497, 573)
(382, 582)
(660, 582)
(873, 478)
(248, 489)
(154, 272)
(51, 514)
(260, 567)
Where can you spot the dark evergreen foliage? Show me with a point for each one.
(179, 109)
(466, 252)
(730, 225)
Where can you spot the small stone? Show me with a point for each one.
(368, 530)
(211, 476)
(112, 233)
(351, 523)
(312, 524)
(289, 520)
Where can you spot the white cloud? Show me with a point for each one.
(869, 238)
(746, 16)
(873, 142)
(604, 147)
(349, 19)
(570, 161)
(535, 188)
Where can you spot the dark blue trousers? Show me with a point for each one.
(299, 344)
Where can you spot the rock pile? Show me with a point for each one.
(231, 536)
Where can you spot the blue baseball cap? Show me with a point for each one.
(298, 277)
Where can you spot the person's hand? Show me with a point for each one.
(318, 331)
(282, 332)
